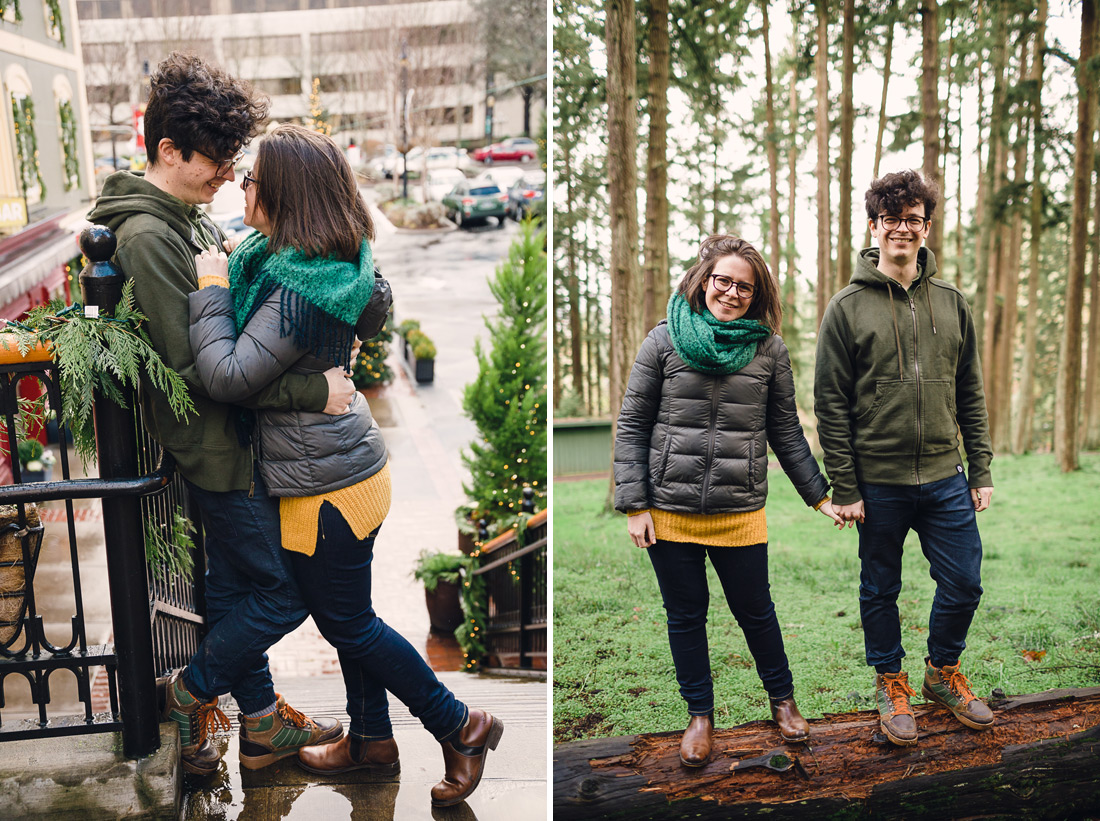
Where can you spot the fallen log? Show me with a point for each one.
(1041, 760)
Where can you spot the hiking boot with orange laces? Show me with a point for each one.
(282, 732)
(892, 692)
(196, 720)
(947, 686)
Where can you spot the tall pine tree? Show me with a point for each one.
(507, 400)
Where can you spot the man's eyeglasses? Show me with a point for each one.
(248, 180)
(723, 284)
(225, 166)
(890, 222)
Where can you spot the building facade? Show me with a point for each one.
(46, 174)
(376, 72)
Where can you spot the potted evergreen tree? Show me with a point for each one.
(440, 573)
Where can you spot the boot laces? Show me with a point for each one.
(957, 683)
(899, 692)
(292, 716)
(209, 719)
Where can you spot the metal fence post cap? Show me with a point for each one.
(98, 244)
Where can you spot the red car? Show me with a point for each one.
(514, 148)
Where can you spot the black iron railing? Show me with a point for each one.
(515, 581)
(157, 622)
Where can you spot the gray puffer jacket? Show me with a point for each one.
(301, 453)
(690, 442)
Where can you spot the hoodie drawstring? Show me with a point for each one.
(928, 299)
(897, 335)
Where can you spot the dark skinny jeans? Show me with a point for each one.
(743, 571)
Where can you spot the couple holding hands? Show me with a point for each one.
(897, 379)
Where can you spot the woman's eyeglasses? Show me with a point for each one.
(248, 180)
(723, 284)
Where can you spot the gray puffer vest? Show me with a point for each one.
(300, 453)
(690, 442)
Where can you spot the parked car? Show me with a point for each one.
(475, 201)
(525, 194)
(418, 160)
(442, 181)
(503, 175)
(514, 148)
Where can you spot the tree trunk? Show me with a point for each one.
(1038, 762)
(576, 332)
(847, 138)
(790, 287)
(824, 218)
(1090, 433)
(930, 109)
(980, 263)
(773, 149)
(1068, 395)
(655, 276)
(889, 53)
(1022, 434)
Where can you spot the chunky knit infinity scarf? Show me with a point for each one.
(322, 297)
(709, 345)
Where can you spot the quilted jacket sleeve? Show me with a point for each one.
(373, 318)
(785, 432)
(233, 368)
(633, 429)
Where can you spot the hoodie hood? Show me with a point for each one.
(126, 194)
(867, 272)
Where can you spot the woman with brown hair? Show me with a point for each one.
(292, 297)
(710, 390)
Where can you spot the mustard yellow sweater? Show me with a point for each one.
(363, 505)
(712, 529)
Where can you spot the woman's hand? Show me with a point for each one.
(828, 510)
(232, 243)
(212, 268)
(641, 530)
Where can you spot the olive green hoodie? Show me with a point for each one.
(158, 238)
(897, 379)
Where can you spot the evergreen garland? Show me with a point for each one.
(69, 146)
(14, 5)
(54, 22)
(92, 354)
(26, 145)
(169, 549)
(507, 400)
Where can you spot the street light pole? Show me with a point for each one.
(404, 61)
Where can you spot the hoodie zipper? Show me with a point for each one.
(916, 375)
(712, 434)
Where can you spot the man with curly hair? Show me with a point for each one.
(897, 379)
(197, 122)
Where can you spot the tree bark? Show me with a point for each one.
(980, 263)
(930, 109)
(1039, 762)
(790, 287)
(1068, 395)
(888, 50)
(773, 149)
(824, 218)
(847, 139)
(1090, 434)
(573, 282)
(655, 275)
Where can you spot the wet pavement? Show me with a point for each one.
(442, 280)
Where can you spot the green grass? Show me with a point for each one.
(613, 673)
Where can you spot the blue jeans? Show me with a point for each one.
(743, 571)
(336, 584)
(252, 600)
(942, 514)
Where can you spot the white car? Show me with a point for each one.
(418, 160)
(441, 181)
(503, 175)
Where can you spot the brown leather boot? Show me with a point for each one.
(792, 726)
(696, 743)
(350, 754)
(464, 758)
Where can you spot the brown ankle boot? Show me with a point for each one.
(350, 754)
(464, 758)
(792, 726)
(696, 743)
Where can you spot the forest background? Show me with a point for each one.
(674, 120)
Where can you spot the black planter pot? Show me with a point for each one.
(444, 607)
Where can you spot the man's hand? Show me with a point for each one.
(356, 346)
(641, 529)
(340, 391)
(982, 496)
(849, 513)
(830, 511)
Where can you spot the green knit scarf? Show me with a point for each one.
(708, 344)
(322, 296)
